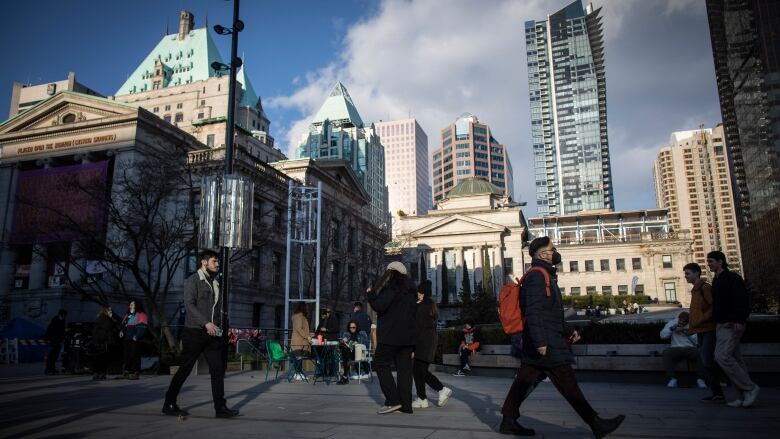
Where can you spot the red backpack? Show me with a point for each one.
(509, 302)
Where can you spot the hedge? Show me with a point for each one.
(595, 300)
(760, 331)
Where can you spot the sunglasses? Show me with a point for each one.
(353, 327)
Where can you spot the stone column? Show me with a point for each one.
(438, 270)
(38, 268)
(458, 268)
(500, 262)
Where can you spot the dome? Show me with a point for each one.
(473, 186)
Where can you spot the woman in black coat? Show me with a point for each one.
(425, 348)
(393, 299)
(103, 338)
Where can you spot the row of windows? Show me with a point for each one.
(605, 290)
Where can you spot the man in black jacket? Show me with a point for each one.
(55, 333)
(545, 349)
(202, 335)
(730, 311)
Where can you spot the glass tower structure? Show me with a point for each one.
(567, 92)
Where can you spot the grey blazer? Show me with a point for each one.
(201, 301)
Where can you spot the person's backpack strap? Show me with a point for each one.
(546, 275)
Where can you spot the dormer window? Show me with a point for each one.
(69, 118)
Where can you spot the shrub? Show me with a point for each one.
(604, 301)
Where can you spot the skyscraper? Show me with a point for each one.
(337, 132)
(470, 150)
(692, 181)
(406, 166)
(567, 90)
(746, 51)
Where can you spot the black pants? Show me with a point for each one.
(347, 355)
(51, 360)
(401, 356)
(711, 370)
(196, 341)
(132, 356)
(100, 364)
(562, 378)
(672, 356)
(423, 376)
(465, 353)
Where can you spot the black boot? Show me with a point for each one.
(171, 409)
(225, 412)
(602, 427)
(511, 426)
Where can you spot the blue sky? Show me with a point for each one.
(432, 59)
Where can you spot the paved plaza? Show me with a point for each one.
(67, 406)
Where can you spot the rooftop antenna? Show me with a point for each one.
(206, 21)
(166, 26)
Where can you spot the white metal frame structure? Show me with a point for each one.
(304, 221)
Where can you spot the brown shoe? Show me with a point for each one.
(134, 376)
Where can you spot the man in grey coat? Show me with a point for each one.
(202, 335)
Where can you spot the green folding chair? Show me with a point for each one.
(276, 357)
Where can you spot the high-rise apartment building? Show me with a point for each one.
(470, 150)
(692, 181)
(26, 96)
(746, 51)
(567, 90)
(177, 83)
(406, 166)
(337, 132)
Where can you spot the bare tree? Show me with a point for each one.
(148, 230)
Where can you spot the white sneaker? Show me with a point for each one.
(354, 376)
(420, 403)
(444, 396)
(546, 380)
(365, 376)
(388, 409)
(299, 377)
(701, 384)
(735, 403)
(466, 367)
(459, 373)
(672, 383)
(750, 396)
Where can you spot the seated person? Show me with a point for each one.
(352, 336)
(469, 344)
(683, 347)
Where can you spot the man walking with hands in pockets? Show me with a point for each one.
(202, 335)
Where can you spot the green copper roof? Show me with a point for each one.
(248, 97)
(339, 106)
(185, 61)
(473, 186)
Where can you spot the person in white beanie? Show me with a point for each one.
(394, 300)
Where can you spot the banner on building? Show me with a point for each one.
(65, 203)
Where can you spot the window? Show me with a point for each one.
(335, 234)
(563, 291)
(167, 118)
(178, 106)
(636, 263)
(276, 269)
(179, 117)
(277, 217)
(623, 289)
(574, 266)
(167, 108)
(202, 102)
(254, 272)
(575, 291)
(69, 118)
(620, 264)
(200, 115)
(667, 261)
(640, 289)
(671, 291)
(257, 311)
(508, 266)
(606, 290)
(414, 272)
(605, 265)
(588, 266)
(156, 109)
(335, 274)
(210, 140)
(352, 234)
(590, 290)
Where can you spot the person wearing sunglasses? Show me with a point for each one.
(352, 336)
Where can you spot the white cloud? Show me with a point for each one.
(437, 59)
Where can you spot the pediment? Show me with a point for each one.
(458, 225)
(340, 171)
(66, 109)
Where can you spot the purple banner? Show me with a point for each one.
(65, 203)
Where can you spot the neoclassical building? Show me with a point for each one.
(475, 214)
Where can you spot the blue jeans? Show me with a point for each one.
(706, 342)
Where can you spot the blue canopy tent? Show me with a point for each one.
(29, 331)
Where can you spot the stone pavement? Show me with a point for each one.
(68, 406)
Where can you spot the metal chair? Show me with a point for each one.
(276, 357)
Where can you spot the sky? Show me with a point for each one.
(428, 59)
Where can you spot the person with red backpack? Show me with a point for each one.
(545, 347)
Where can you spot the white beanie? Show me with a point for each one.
(397, 266)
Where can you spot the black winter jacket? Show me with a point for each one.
(395, 306)
(730, 300)
(545, 325)
(427, 338)
(55, 333)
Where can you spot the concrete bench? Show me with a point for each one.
(759, 357)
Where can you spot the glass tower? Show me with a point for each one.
(567, 92)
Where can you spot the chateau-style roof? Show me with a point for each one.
(473, 186)
(339, 107)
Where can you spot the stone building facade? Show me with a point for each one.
(618, 253)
